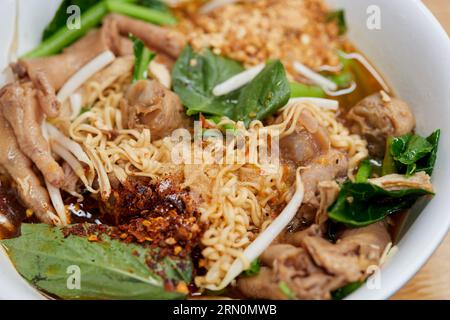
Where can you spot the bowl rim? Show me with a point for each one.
(438, 28)
(439, 235)
(28, 291)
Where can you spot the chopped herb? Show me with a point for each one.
(343, 292)
(227, 127)
(286, 290)
(84, 110)
(254, 268)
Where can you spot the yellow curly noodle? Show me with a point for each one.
(111, 148)
(237, 199)
(238, 209)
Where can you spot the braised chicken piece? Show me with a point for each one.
(328, 193)
(106, 77)
(330, 166)
(313, 267)
(353, 254)
(71, 180)
(103, 79)
(46, 95)
(293, 267)
(324, 169)
(113, 36)
(19, 167)
(309, 146)
(59, 68)
(20, 107)
(162, 40)
(148, 104)
(379, 116)
(308, 141)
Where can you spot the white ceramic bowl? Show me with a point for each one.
(411, 50)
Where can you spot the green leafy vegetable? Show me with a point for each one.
(412, 153)
(361, 204)
(60, 18)
(57, 36)
(226, 127)
(343, 79)
(64, 36)
(409, 149)
(255, 266)
(339, 17)
(364, 171)
(343, 292)
(143, 56)
(427, 163)
(159, 5)
(389, 165)
(302, 90)
(264, 95)
(139, 12)
(108, 269)
(286, 290)
(195, 76)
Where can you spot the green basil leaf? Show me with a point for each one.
(346, 290)
(264, 95)
(195, 76)
(361, 204)
(109, 269)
